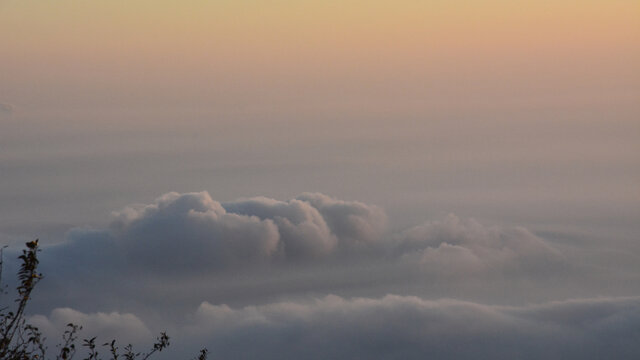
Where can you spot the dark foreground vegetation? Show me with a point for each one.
(21, 341)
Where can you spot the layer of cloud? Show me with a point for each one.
(260, 249)
(107, 326)
(397, 327)
(391, 327)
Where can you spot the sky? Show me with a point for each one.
(328, 179)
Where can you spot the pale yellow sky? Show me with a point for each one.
(425, 105)
(400, 53)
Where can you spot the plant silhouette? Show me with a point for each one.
(20, 340)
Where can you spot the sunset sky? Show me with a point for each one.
(296, 160)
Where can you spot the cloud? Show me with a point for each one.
(391, 327)
(356, 224)
(170, 255)
(107, 326)
(189, 247)
(457, 247)
(314, 224)
(191, 232)
(399, 327)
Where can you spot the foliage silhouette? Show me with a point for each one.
(21, 341)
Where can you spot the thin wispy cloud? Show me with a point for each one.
(6, 109)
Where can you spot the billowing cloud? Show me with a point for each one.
(398, 327)
(187, 231)
(189, 247)
(454, 246)
(180, 233)
(193, 231)
(356, 224)
(190, 232)
(314, 224)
